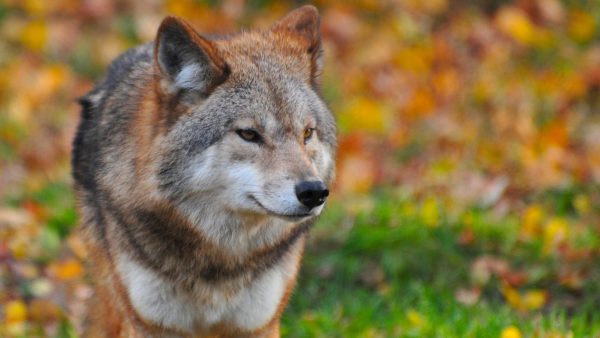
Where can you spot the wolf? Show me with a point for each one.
(199, 165)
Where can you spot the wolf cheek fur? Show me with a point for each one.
(199, 166)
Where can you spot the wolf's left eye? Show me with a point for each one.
(308, 133)
(249, 135)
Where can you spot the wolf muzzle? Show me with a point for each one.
(311, 193)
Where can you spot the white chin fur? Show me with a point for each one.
(161, 302)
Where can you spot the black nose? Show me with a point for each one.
(311, 193)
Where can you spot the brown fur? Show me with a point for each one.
(132, 157)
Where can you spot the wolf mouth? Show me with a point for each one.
(293, 217)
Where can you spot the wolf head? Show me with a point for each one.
(247, 134)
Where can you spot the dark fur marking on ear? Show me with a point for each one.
(190, 61)
(86, 107)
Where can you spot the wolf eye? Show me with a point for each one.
(308, 133)
(248, 135)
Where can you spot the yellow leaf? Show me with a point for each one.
(467, 219)
(582, 25)
(532, 221)
(34, 35)
(534, 299)
(15, 312)
(35, 7)
(409, 209)
(542, 38)
(515, 23)
(19, 247)
(364, 114)
(511, 332)
(555, 232)
(582, 204)
(417, 60)
(430, 212)
(513, 298)
(415, 319)
(177, 7)
(186, 8)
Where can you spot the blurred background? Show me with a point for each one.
(467, 201)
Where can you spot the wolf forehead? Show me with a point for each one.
(268, 99)
(268, 80)
(264, 53)
(266, 73)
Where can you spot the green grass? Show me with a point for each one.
(389, 265)
(384, 273)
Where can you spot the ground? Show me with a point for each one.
(467, 198)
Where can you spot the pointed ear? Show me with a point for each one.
(304, 24)
(187, 60)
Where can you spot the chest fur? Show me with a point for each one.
(245, 306)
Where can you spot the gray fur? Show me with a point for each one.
(174, 187)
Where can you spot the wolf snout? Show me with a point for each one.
(311, 193)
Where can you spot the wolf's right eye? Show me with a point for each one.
(249, 135)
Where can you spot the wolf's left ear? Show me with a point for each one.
(304, 23)
(187, 60)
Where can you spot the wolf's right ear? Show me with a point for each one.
(187, 60)
(304, 23)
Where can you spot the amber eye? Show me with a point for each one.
(308, 133)
(249, 135)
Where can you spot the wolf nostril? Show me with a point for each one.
(311, 193)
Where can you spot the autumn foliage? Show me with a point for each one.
(483, 115)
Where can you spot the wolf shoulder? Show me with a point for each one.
(124, 78)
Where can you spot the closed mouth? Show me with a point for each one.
(293, 217)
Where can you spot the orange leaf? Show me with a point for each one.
(67, 270)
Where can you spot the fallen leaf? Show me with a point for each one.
(534, 299)
(515, 23)
(511, 332)
(67, 270)
(15, 312)
(34, 36)
(44, 311)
